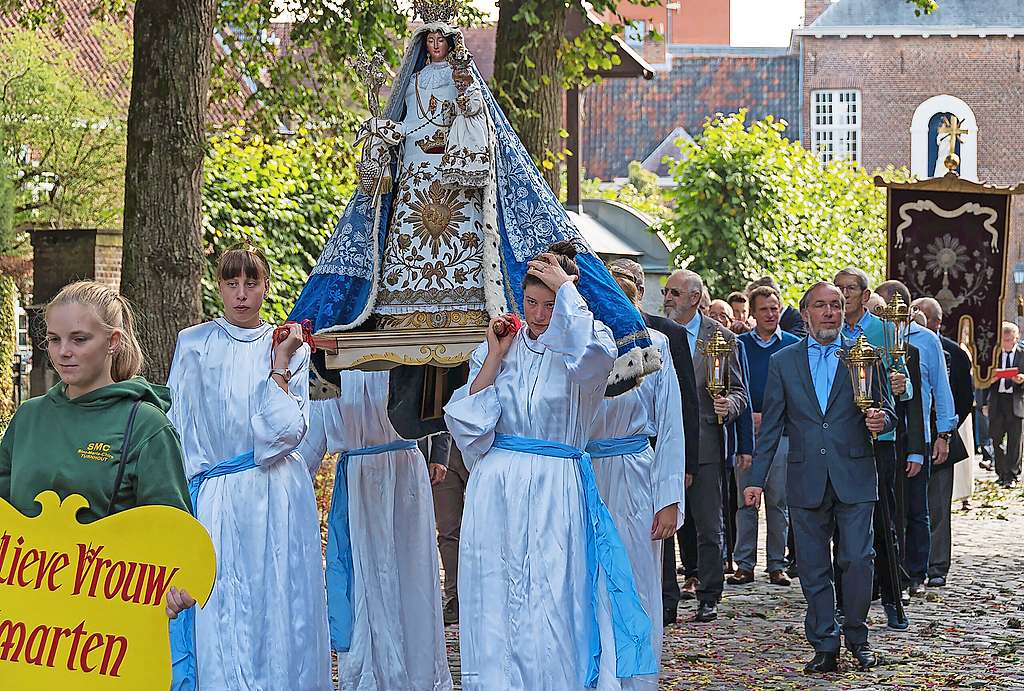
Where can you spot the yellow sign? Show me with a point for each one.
(82, 606)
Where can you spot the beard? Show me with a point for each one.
(671, 312)
(825, 335)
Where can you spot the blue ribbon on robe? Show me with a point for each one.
(631, 625)
(184, 674)
(339, 547)
(617, 446)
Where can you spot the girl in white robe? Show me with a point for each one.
(265, 624)
(396, 630)
(644, 489)
(527, 595)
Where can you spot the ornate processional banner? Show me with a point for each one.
(947, 238)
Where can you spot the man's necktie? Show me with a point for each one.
(820, 375)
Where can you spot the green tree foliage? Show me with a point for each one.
(640, 191)
(284, 196)
(63, 137)
(749, 202)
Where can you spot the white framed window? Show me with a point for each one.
(636, 32)
(835, 125)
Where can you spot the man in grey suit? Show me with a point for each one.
(683, 292)
(831, 481)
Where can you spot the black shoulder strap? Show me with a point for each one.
(125, 445)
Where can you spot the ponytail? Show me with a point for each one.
(115, 313)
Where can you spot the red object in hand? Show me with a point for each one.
(281, 333)
(501, 328)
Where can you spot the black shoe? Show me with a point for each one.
(706, 611)
(669, 616)
(895, 621)
(865, 656)
(451, 612)
(916, 586)
(937, 582)
(822, 663)
(791, 571)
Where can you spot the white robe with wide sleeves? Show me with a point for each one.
(265, 625)
(397, 628)
(524, 596)
(636, 486)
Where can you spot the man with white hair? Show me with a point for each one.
(682, 297)
(940, 485)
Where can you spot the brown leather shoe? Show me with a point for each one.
(689, 590)
(741, 577)
(778, 578)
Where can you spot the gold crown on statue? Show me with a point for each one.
(434, 11)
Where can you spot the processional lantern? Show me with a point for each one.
(717, 351)
(896, 315)
(860, 360)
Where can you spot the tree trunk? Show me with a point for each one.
(163, 254)
(532, 97)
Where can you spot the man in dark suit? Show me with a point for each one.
(681, 300)
(1003, 405)
(831, 481)
(682, 361)
(940, 484)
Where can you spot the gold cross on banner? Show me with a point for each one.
(951, 129)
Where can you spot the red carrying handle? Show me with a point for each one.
(501, 328)
(281, 333)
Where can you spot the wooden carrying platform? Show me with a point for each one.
(383, 350)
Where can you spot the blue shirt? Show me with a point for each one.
(823, 363)
(693, 329)
(934, 381)
(852, 333)
(756, 338)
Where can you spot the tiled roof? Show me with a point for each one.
(79, 33)
(952, 14)
(626, 119)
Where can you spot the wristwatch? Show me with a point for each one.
(944, 435)
(286, 373)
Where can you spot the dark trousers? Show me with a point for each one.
(670, 594)
(918, 532)
(887, 466)
(1003, 423)
(729, 513)
(449, 496)
(814, 529)
(687, 538)
(940, 501)
(705, 499)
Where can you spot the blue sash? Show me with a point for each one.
(630, 623)
(617, 446)
(339, 547)
(184, 674)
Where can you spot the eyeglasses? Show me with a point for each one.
(847, 290)
(676, 293)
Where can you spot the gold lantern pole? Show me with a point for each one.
(897, 315)
(860, 359)
(716, 352)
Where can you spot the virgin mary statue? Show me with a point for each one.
(449, 210)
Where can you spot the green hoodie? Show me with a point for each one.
(74, 446)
